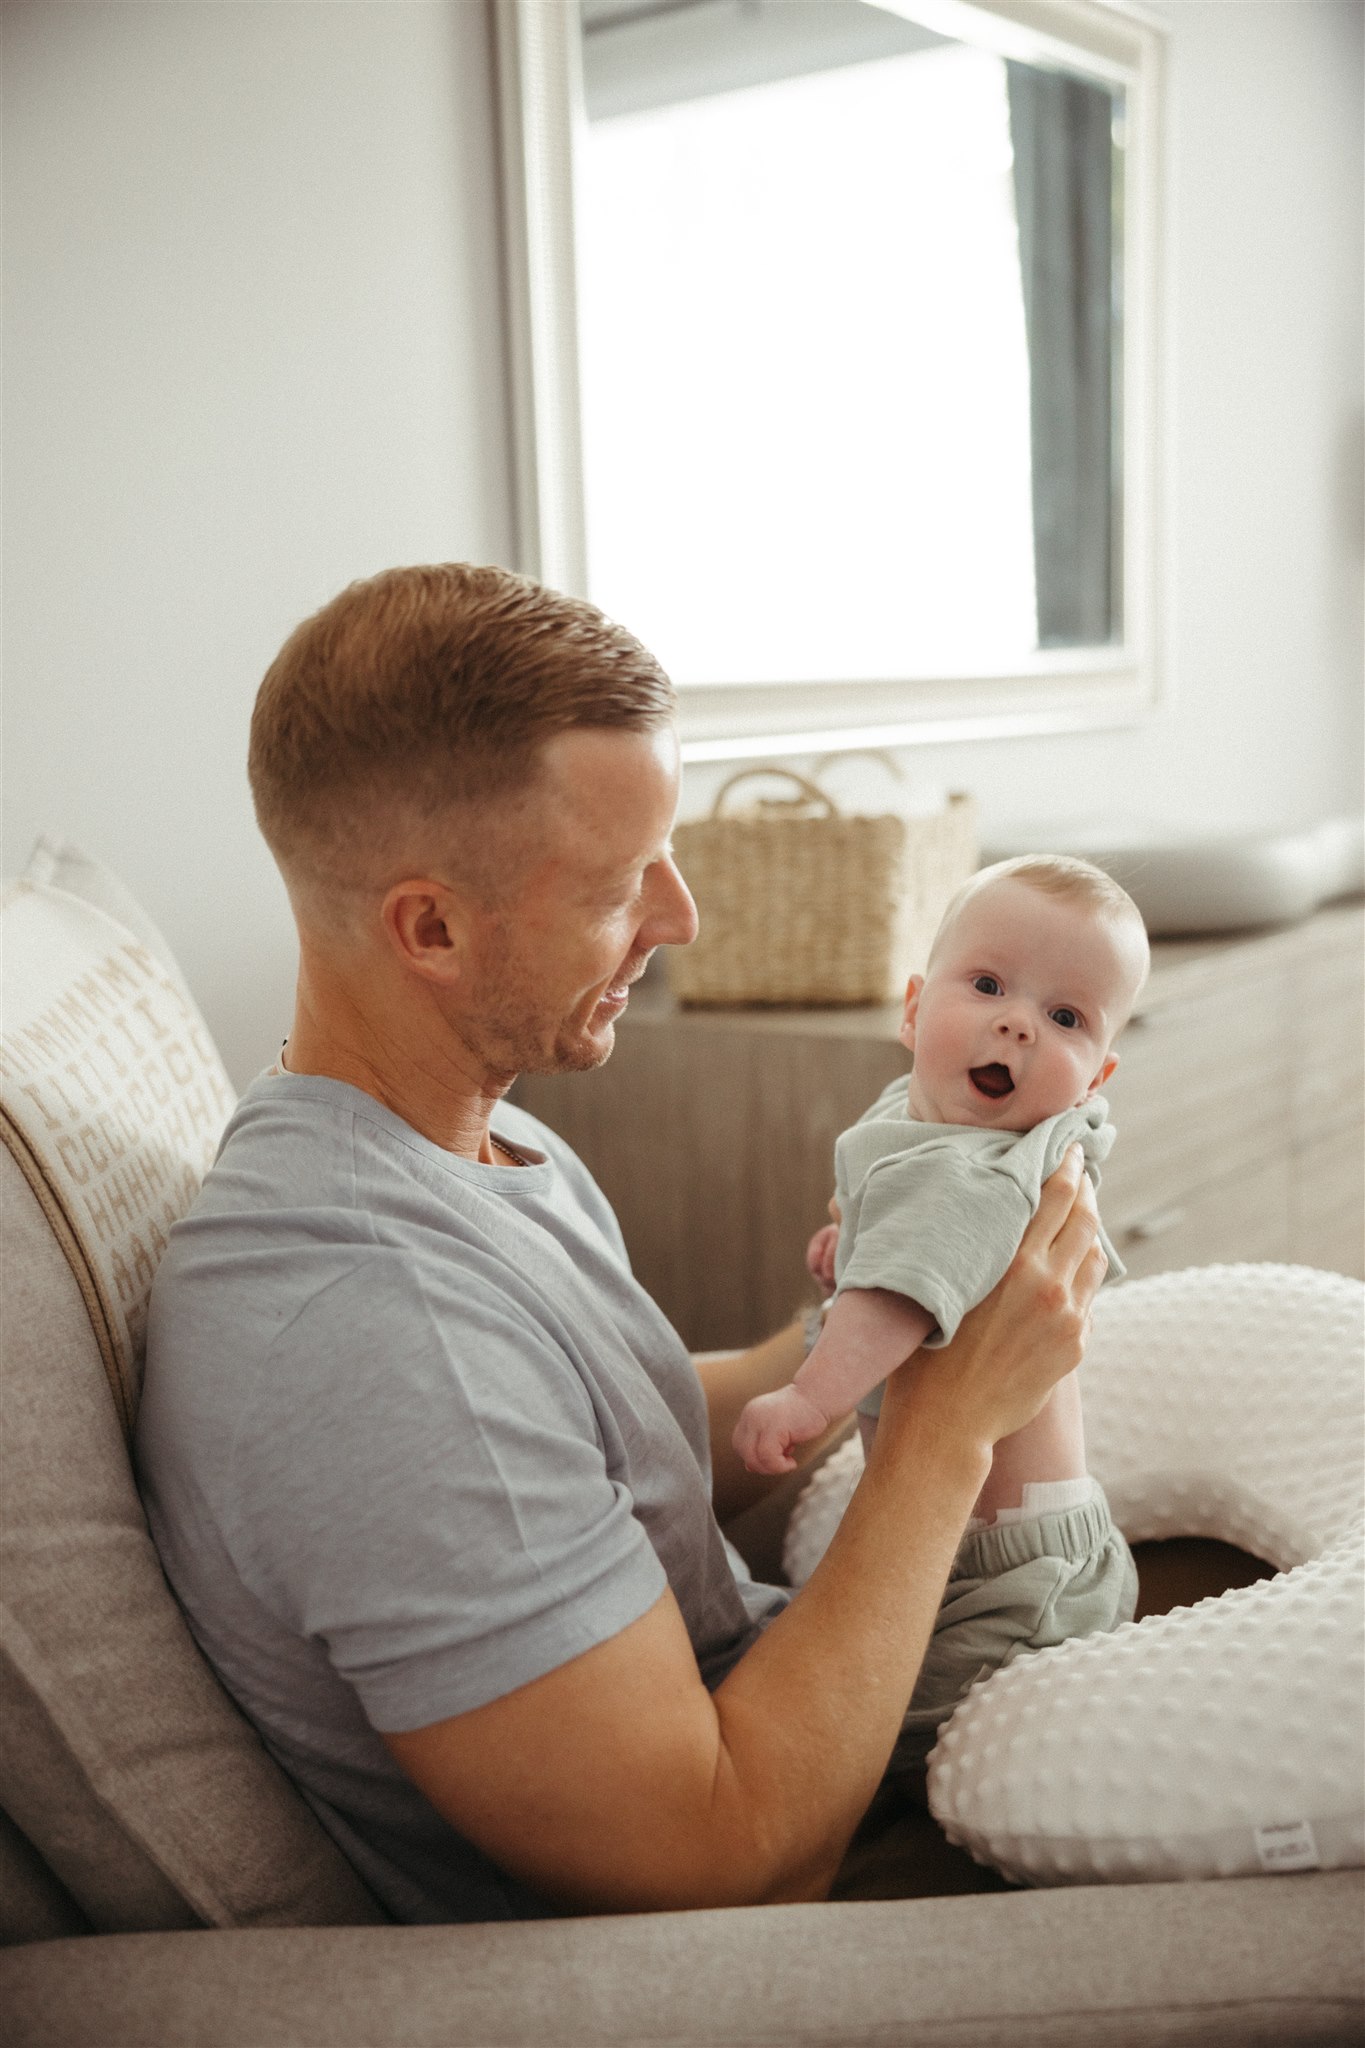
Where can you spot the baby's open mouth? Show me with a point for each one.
(994, 1080)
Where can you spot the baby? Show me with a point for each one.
(1032, 975)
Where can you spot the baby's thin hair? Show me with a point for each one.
(1061, 875)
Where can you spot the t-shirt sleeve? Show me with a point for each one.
(442, 1524)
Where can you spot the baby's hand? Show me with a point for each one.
(771, 1423)
(820, 1256)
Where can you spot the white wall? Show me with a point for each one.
(253, 348)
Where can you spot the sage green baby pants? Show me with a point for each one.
(1024, 1586)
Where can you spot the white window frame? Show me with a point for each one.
(1059, 690)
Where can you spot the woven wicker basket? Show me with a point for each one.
(801, 904)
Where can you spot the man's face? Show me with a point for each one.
(1014, 1020)
(550, 967)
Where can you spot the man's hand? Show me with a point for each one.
(1030, 1331)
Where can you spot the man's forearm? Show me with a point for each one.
(809, 1717)
(754, 1792)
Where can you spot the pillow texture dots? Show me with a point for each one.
(1223, 1739)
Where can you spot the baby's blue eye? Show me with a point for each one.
(987, 985)
(1066, 1018)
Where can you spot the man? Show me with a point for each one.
(432, 1477)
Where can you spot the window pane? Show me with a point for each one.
(805, 375)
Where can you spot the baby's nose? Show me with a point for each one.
(1014, 1023)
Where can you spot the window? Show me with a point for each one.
(837, 355)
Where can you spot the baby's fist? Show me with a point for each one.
(770, 1424)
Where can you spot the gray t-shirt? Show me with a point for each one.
(410, 1437)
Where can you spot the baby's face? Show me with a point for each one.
(1014, 1020)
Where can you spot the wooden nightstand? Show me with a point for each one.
(1239, 1101)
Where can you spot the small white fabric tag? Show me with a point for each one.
(1289, 1845)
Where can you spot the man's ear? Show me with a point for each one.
(426, 924)
(906, 1034)
(1111, 1060)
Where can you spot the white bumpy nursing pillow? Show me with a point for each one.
(1223, 1739)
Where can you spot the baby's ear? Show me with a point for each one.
(906, 1034)
(1111, 1060)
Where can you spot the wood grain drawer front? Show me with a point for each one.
(1329, 1203)
(1239, 1216)
(1202, 1091)
(715, 1147)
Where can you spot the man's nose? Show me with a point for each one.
(673, 915)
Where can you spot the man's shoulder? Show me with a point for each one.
(303, 1195)
(319, 1195)
(289, 1135)
(300, 1147)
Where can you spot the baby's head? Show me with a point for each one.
(1033, 974)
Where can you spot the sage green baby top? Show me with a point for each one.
(936, 1211)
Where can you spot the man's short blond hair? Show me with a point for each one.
(1061, 875)
(418, 695)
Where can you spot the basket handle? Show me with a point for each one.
(888, 761)
(809, 789)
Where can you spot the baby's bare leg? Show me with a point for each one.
(1050, 1447)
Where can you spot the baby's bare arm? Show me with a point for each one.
(868, 1332)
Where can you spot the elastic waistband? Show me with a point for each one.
(1073, 1534)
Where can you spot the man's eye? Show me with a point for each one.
(987, 985)
(1066, 1018)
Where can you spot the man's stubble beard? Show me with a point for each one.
(507, 1044)
(571, 1057)
(513, 1035)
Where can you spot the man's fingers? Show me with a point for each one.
(1078, 1239)
(1090, 1279)
(1058, 1198)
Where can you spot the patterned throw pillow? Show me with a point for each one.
(112, 1100)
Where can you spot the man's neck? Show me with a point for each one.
(444, 1094)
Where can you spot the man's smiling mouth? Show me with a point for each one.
(620, 989)
(995, 1080)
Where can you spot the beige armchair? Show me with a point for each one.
(160, 1880)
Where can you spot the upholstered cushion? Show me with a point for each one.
(1265, 1962)
(33, 1905)
(124, 1764)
